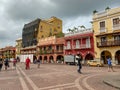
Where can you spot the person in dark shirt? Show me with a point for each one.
(6, 63)
(79, 63)
(1, 63)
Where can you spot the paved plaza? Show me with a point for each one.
(56, 77)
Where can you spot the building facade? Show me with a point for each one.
(106, 27)
(36, 30)
(8, 52)
(80, 42)
(50, 50)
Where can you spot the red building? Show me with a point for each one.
(80, 42)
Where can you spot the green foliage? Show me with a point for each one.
(107, 8)
(95, 11)
(61, 34)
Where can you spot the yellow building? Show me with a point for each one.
(37, 29)
(18, 46)
(49, 27)
(106, 26)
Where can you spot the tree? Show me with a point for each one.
(82, 27)
(69, 30)
(107, 8)
(95, 11)
(60, 34)
(75, 29)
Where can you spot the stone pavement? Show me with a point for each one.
(55, 77)
(113, 80)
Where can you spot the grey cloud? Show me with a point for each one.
(29, 9)
(15, 13)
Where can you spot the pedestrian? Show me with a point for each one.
(38, 63)
(1, 63)
(110, 67)
(79, 63)
(14, 63)
(6, 63)
(27, 63)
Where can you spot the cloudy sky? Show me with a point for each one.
(15, 13)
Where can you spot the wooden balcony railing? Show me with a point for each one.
(108, 43)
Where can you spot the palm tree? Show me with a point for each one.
(75, 29)
(82, 27)
(69, 30)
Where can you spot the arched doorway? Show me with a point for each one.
(51, 60)
(104, 56)
(60, 59)
(40, 57)
(88, 57)
(117, 57)
(45, 59)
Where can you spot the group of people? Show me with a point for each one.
(28, 61)
(6, 63)
(109, 62)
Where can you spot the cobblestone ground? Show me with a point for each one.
(54, 77)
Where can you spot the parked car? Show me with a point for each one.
(95, 63)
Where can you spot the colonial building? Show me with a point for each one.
(36, 30)
(50, 49)
(106, 27)
(80, 42)
(8, 52)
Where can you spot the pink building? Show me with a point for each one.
(50, 49)
(80, 42)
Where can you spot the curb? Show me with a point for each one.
(111, 84)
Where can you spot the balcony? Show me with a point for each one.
(116, 27)
(82, 46)
(108, 43)
(58, 51)
(67, 47)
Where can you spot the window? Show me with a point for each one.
(117, 37)
(103, 39)
(68, 44)
(102, 24)
(88, 42)
(77, 44)
(57, 48)
(117, 40)
(116, 21)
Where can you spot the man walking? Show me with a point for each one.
(79, 63)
